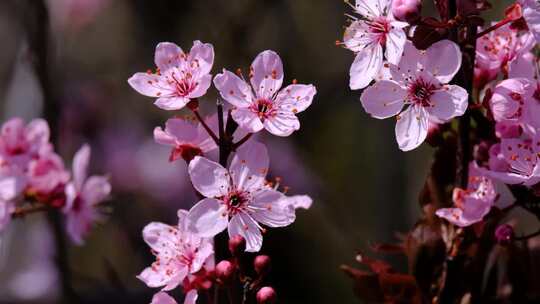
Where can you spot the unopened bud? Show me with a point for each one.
(407, 10)
(266, 295)
(504, 233)
(225, 271)
(261, 264)
(237, 245)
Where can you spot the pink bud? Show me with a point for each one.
(224, 271)
(262, 264)
(237, 245)
(407, 10)
(504, 233)
(266, 295)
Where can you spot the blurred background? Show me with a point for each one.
(364, 189)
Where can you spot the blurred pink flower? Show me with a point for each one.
(19, 143)
(187, 138)
(237, 198)
(47, 173)
(12, 183)
(180, 77)
(178, 252)
(471, 204)
(419, 82)
(264, 105)
(82, 195)
(512, 100)
(531, 14)
(367, 36)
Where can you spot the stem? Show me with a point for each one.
(494, 27)
(28, 209)
(224, 147)
(242, 141)
(205, 126)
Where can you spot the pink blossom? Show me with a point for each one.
(498, 49)
(186, 138)
(531, 14)
(420, 83)
(406, 10)
(506, 129)
(179, 253)
(471, 204)
(12, 183)
(162, 298)
(528, 67)
(47, 173)
(82, 195)
(515, 160)
(512, 99)
(179, 77)
(368, 35)
(264, 105)
(19, 143)
(237, 198)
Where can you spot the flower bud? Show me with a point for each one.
(237, 245)
(266, 295)
(407, 10)
(261, 264)
(504, 233)
(225, 271)
(193, 104)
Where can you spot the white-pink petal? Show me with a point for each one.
(247, 120)
(267, 208)
(411, 128)
(266, 74)
(383, 99)
(171, 103)
(283, 124)
(245, 226)
(80, 166)
(208, 217)
(249, 166)
(366, 66)
(395, 42)
(167, 55)
(296, 98)
(147, 84)
(162, 298)
(233, 89)
(443, 60)
(208, 177)
(449, 102)
(201, 56)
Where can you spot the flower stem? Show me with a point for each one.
(28, 209)
(493, 27)
(242, 141)
(205, 126)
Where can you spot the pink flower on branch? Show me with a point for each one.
(531, 14)
(179, 253)
(237, 198)
(264, 105)
(83, 194)
(471, 204)
(20, 143)
(367, 36)
(47, 173)
(179, 78)
(418, 82)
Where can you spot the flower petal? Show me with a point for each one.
(201, 87)
(96, 190)
(383, 99)
(283, 124)
(247, 120)
(80, 166)
(207, 218)
(268, 208)
(233, 89)
(249, 166)
(411, 128)
(201, 55)
(450, 102)
(443, 60)
(167, 55)
(162, 298)
(296, 97)
(365, 67)
(147, 84)
(395, 42)
(243, 225)
(171, 103)
(191, 297)
(159, 236)
(266, 74)
(208, 177)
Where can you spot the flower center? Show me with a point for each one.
(236, 201)
(420, 92)
(379, 27)
(184, 85)
(264, 108)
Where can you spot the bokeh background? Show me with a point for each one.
(364, 189)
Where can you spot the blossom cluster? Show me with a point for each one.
(235, 196)
(33, 178)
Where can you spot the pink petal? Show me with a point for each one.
(411, 128)
(12, 183)
(163, 138)
(449, 102)
(267, 208)
(80, 166)
(243, 225)
(184, 131)
(443, 60)
(147, 84)
(96, 190)
(395, 42)
(171, 103)
(208, 217)
(162, 298)
(296, 97)
(249, 166)
(299, 201)
(266, 74)
(167, 55)
(204, 251)
(233, 89)
(383, 99)
(457, 217)
(37, 131)
(202, 55)
(203, 84)
(208, 177)
(356, 37)
(365, 67)
(531, 13)
(522, 67)
(371, 8)
(159, 236)
(410, 62)
(283, 124)
(247, 120)
(191, 297)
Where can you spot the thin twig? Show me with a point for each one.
(205, 126)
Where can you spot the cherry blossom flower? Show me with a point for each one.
(187, 138)
(420, 83)
(496, 51)
(162, 298)
(265, 106)
(82, 195)
(179, 78)
(528, 67)
(12, 183)
(237, 198)
(179, 253)
(515, 160)
(512, 100)
(367, 36)
(19, 143)
(471, 204)
(47, 173)
(531, 14)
